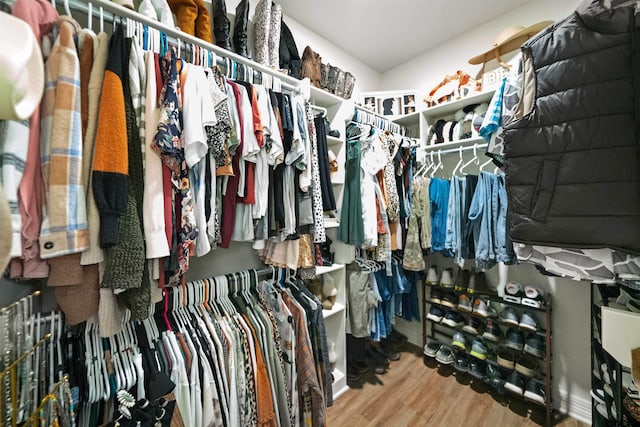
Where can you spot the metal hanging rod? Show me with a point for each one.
(436, 150)
(287, 82)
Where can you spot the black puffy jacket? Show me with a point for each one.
(572, 161)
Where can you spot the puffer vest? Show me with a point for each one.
(571, 160)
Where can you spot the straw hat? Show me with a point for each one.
(21, 70)
(509, 39)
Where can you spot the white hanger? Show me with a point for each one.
(90, 16)
(101, 18)
(475, 160)
(439, 165)
(67, 9)
(455, 169)
(485, 164)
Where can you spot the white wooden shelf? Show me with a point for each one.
(409, 120)
(329, 269)
(448, 108)
(337, 308)
(333, 141)
(325, 99)
(331, 223)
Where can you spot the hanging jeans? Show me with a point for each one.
(439, 197)
(453, 241)
(467, 247)
(503, 245)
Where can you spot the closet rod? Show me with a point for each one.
(288, 82)
(430, 148)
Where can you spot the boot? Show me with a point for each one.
(329, 291)
(240, 28)
(221, 24)
(339, 91)
(262, 31)
(332, 78)
(324, 71)
(349, 83)
(315, 287)
(274, 36)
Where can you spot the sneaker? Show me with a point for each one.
(535, 392)
(473, 326)
(431, 348)
(446, 278)
(462, 280)
(461, 363)
(492, 332)
(432, 276)
(534, 345)
(507, 358)
(477, 368)
(598, 396)
(513, 292)
(445, 355)
(533, 296)
(479, 349)
(453, 319)
(528, 321)
(515, 383)
(449, 299)
(515, 339)
(527, 366)
(459, 341)
(483, 308)
(465, 303)
(493, 376)
(509, 316)
(478, 284)
(436, 295)
(435, 314)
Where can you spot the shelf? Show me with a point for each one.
(333, 141)
(331, 223)
(322, 98)
(492, 297)
(325, 270)
(455, 144)
(337, 308)
(451, 107)
(409, 120)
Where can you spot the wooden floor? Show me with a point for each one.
(411, 394)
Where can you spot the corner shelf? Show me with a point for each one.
(333, 141)
(325, 99)
(451, 107)
(337, 308)
(324, 270)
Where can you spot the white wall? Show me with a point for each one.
(426, 70)
(366, 77)
(571, 309)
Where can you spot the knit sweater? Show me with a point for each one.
(64, 223)
(110, 160)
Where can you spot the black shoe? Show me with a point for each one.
(389, 349)
(353, 373)
(492, 332)
(462, 362)
(515, 339)
(377, 354)
(515, 383)
(453, 319)
(462, 280)
(478, 284)
(493, 377)
(473, 326)
(449, 299)
(535, 392)
(477, 368)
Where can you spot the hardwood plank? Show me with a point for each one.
(411, 394)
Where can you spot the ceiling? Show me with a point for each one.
(386, 33)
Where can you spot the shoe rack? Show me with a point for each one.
(614, 396)
(495, 373)
(336, 110)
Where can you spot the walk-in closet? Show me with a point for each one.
(234, 213)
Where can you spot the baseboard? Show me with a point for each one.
(574, 406)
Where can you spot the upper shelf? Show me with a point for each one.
(453, 106)
(325, 99)
(443, 110)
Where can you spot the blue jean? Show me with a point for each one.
(439, 198)
(457, 195)
(481, 217)
(503, 245)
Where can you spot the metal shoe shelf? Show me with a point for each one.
(442, 334)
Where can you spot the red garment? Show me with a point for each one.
(41, 16)
(230, 199)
